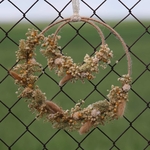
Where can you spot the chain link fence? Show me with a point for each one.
(20, 130)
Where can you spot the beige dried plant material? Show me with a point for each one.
(26, 72)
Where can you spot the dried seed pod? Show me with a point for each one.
(54, 108)
(15, 75)
(86, 127)
(65, 79)
(121, 108)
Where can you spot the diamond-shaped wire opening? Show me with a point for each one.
(133, 26)
(93, 96)
(26, 136)
(86, 7)
(26, 115)
(103, 141)
(106, 10)
(59, 139)
(13, 15)
(76, 51)
(10, 127)
(125, 140)
(138, 101)
(46, 12)
(8, 85)
(74, 34)
(9, 47)
(143, 45)
(85, 33)
(144, 132)
(80, 93)
(45, 130)
(104, 85)
(48, 83)
(113, 130)
(141, 82)
(64, 100)
(136, 11)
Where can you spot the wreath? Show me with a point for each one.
(78, 118)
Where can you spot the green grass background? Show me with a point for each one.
(11, 129)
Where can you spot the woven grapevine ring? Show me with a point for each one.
(26, 72)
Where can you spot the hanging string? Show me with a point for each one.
(76, 8)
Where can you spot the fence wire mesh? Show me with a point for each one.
(19, 129)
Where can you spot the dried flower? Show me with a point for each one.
(53, 107)
(77, 115)
(15, 75)
(85, 127)
(95, 113)
(121, 108)
(126, 87)
(65, 79)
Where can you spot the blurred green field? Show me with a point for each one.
(12, 130)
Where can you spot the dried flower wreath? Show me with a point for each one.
(78, 118)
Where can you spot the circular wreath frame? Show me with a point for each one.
(78, 118)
